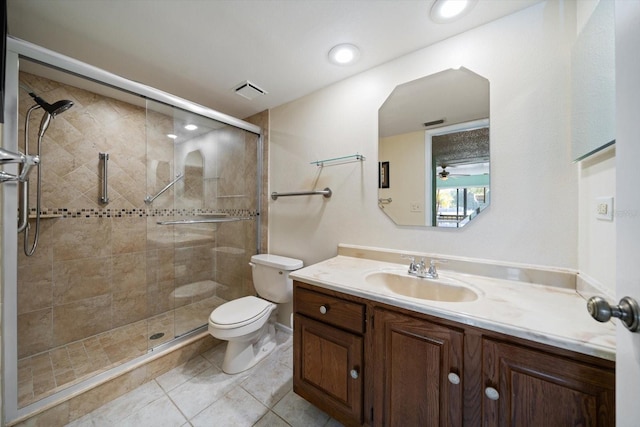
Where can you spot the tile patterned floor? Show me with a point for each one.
(48, 372)
(199, 394)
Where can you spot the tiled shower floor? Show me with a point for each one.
(43, 374)
(198, 393)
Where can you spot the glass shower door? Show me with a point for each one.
(201, 210)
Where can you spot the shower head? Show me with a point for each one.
(52, 110)
(55, 108)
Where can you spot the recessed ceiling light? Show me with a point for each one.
(172, 136)
(344, 54)
(191, 127)
(444, 11)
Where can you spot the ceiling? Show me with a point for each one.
(463, 96)
(201, 50)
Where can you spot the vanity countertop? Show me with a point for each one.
(550, 315)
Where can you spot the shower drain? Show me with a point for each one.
(156, 336)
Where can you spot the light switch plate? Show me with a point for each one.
(416, 207)
(604, 208)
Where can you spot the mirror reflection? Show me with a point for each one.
(593, 86)
(433, 150)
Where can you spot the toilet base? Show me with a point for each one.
(242, 355)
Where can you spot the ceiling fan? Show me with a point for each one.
(444, 174)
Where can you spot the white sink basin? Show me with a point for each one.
(442, 289)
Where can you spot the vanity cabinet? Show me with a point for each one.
(370, 363)
(418, 368)
(329, 353)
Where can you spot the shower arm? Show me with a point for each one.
(148, 200)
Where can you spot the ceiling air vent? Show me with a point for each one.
(249, 90)
(433, 123)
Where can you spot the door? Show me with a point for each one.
(418, 371)
(526, 387)
(627, 211)
(328, 365)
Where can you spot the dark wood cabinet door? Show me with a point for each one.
(413, 359)
(328, 369)
(535, 388)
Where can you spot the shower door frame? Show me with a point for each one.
(19, 49)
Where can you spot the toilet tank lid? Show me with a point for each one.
(277, 261)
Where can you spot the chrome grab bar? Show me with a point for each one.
(104, 199)
(203, 221)
(385, 201)
(326, 193)
(148, 200)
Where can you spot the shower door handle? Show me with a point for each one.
(105, 196)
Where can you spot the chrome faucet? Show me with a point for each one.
(27, 161)
(427, 273)
(7, 156)
(420, 269)
(413, 267)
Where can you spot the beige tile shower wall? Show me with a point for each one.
(161, 167)
(89, 275)
(236, 192)
(263, 120)
(100, 270)
(71, 146)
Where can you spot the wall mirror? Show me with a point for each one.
(593, 89)
(433, 150)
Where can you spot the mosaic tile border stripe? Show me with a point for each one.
(140, 213)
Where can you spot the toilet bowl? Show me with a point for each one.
(248, 323)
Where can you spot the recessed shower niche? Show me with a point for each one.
(111, 281)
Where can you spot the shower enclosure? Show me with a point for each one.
(149, 217)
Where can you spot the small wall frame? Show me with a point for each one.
(383, 174)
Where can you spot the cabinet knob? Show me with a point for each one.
(354, 374)
(323, 309)
(453, 378)
(492, 393)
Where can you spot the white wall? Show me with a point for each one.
(533, 217)
(410, 147)
(597, 238)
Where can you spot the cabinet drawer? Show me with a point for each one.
(329, 309)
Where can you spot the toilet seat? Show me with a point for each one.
(239, 312)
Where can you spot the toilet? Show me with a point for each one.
(248, 323)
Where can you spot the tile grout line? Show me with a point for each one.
(166, 393)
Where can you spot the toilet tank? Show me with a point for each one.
(271, 276)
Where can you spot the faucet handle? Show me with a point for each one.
(413, 267)
(433, 272)
(26, 167)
